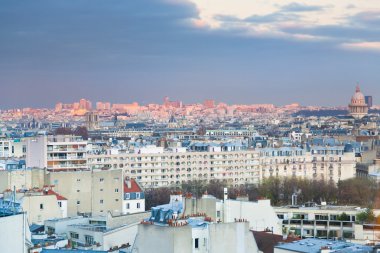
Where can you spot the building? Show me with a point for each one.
(172, 167)
(313, 245)
(40, 204)
(134, 198)
(260, 215)
(168, 231)
(320, 221)
(57, 153)
(14, 148)
(98, 192)
(320, 161)
(15, 235)
(105, 232)
(358, 107)
(369, 101)
(92, 120)
(21, 179)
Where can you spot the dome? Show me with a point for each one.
(358, 97)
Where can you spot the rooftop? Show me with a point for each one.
(313, 245)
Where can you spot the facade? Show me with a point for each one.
(12, 148)
(260, 215)
(56, 153)
(98, 192)
(134, 198)
(318, 162)
(319, 221)
(171, 168)
(40, 205)
(21, 179)
(15, 235)
(358, 107)
(196, 236)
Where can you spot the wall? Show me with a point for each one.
(12, 239)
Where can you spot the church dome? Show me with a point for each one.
(358, 97)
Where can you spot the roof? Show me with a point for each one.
(134, 187)
(266, 241)
(313, 245)
(71, 251)
(59, 197)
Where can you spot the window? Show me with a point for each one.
(218, 214)
(78, 179)
(137, 195)
(101, 179)
(74, 235)
(196, 243)
(138, 205)
(78, 202)
(78, 190)
(116, 200)
(127, 205)
(41, 206)
(116, 190)
(89, 239)
(101, 201)
(127, 196)
(59, 203)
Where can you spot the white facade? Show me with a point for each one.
(195, 238)
(15, 235)
(133, 206)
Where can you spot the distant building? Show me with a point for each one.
(358, 107)
(209, 103)
(92, 120)
(369, 101)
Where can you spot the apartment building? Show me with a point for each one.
(99, 191)
(56, 153)
(322, 221)
(155, 168)
(12, 148)
(326, 163)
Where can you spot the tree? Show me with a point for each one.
(367, 216)
(81, 131)
(157, 196)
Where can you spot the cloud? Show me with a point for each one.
(373, 46)
(294, 19)
(299, 7)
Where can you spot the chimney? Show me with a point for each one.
(128, 183)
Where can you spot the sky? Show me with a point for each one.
(241, 51)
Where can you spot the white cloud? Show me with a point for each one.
(362, 46)
(270, 17)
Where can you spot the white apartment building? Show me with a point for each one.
(171, 168)
(319, 221)
(327, 163)
(57, 153)
(12, 148)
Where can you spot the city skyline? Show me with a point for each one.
(250, 54)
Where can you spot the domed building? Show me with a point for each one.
(358, 108)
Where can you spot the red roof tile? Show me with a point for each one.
(59, 197)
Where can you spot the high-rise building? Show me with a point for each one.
(369, 101)
(358, 107)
